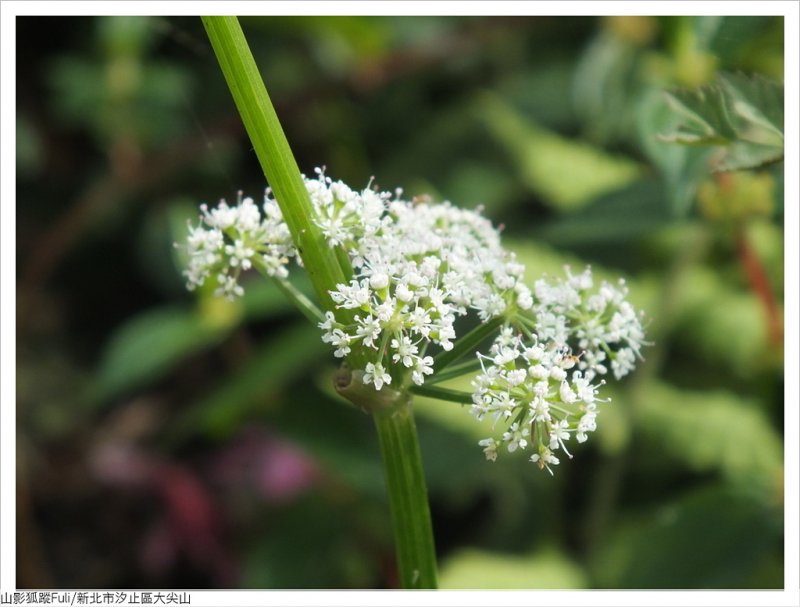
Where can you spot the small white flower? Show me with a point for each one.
(516, 377)
(404, 350)
(584, 390)
(623, 363)
(504, 356)
(538, 372)
(587, 423)
(524, 297)
(385, 310)
(368, 330)
(559, 432)
(489, 448)
(515, 437)
(228, 288)
(353, 296)
(567, 395)
(341, 341)
(375, 374)
(422, 367)
(544, 459)
(403, 293)
(328, 324)
(379, 281)
(540, 410)
(420, 321)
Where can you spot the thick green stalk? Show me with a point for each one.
(408, 497)
(274, 154)
(394, 421)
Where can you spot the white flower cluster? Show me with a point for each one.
(536, 386)
(602, 325)
(538, 391)
(416, 268)
(231, 239)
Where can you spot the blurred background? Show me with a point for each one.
(171, 439)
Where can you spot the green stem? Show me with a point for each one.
(468, 366)
(274, 154)
(455, 396)
(408, 497)
(306, 306)
(397, 434)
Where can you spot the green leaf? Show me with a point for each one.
(148, 346)
(706, 116)
(742, 114)
(478, 569)
(722, 326)
(710, 431)
(622, 216)
(681, 167)
(567, 174)
(710, 539)
(757, 103)
(744, 155)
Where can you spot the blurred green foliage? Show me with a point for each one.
(554, 126)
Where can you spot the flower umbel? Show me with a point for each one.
(601, 324)
(230, 240)
(417, 268)
(537, 391)
(533, 381)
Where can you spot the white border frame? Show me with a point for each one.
(791, 12)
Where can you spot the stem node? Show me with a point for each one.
(350, 384)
